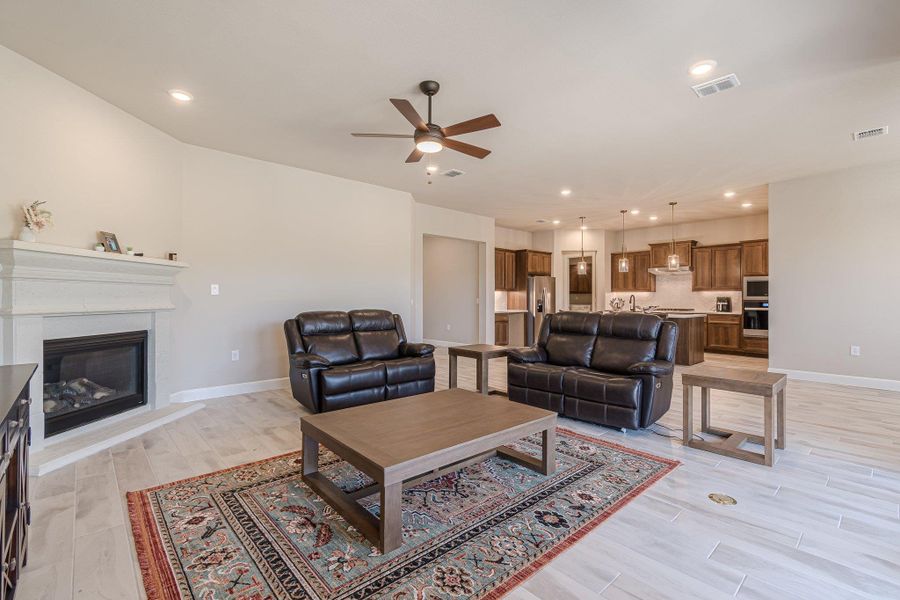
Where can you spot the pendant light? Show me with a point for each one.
(673, 262)
(623, 260)
(582, 264)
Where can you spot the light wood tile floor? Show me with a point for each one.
(823, 523)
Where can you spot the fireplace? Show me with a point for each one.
(93, 377)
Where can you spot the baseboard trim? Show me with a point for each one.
(851, 380)
(232, 389)
(442, 343)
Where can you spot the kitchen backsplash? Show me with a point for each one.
(674, 291)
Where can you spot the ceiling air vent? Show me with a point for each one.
(868, 133)
(716, 85)
(453, 173)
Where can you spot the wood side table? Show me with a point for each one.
(771, 386)
(482, 353)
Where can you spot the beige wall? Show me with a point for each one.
(716, 231)
(97, 167)
(834, 275)
(278, 240)
(450, 290)
(512, 239)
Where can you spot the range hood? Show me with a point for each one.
(658, 271)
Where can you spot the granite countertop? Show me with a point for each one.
(509, 311)
(685, 315)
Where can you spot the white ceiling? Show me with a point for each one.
(593, 95)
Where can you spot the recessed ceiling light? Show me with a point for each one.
(653, 217)
(181, 95)
(729, 194)
(702, 68)
(635, 212)
(746, 205)
(556, 221)
(431, 168)
(565, 192)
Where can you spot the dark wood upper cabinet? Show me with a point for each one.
(580, 284)
(533, 262)
(659, 253)
(504, 270)
(637, 279)
(717, 268)
(755, 257)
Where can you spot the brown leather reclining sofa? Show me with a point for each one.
(342, 359)
(613, 369)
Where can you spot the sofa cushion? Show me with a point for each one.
(615, 355)
(328, 334)
(637, 326)
(570, 338)
(587, 384)
(354, 377)
(402, 370)
(375, 333)
(349, 399)
(536, 376)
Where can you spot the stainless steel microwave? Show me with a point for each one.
(756, 288)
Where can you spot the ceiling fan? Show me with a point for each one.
(432, 138)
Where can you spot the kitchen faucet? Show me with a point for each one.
(631, 303)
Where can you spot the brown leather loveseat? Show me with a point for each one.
(342, 359)
(613, 369)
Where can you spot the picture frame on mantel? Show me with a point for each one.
(110, 242)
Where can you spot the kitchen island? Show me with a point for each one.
(691, 337)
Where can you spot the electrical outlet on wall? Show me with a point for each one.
(235, 355)
(448, 326)
(854, 351)
(214, 289)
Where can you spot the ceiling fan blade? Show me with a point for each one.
(485, 122)
(415, 156)
(406, 109)
(466, 148)
(382, 135)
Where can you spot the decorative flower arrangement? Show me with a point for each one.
(37, 218)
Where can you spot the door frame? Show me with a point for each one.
(564, 277)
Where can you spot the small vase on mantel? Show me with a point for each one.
(27, 235)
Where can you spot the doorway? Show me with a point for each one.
(580, 289)
(450, 290)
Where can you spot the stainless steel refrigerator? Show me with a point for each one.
(541, 301)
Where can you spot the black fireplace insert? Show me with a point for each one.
(93, 377)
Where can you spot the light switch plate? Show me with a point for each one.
(855, 351)
(235, 355)
(214, 289)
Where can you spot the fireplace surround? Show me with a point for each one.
(50, 292)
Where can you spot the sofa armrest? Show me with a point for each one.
(531, 354)
(304, 360)
(659, 368)
(412, 350)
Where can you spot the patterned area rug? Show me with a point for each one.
(256, 531)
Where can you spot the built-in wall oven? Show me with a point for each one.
(756, 307)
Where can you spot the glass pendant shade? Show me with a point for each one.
(623, 264)
(623, 261)
(582, 267)
(673, 262)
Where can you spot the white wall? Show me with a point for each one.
(443, 222)
(450, 290)
(278, 240)
(512, 239)
(834, 281)
(97, 167)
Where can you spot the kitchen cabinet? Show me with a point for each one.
(717, 268)
(580, 284)
(659, 253)
(504, 270)
(637, 279)
(755, 345)
(755, 258)
(501, 329)
(723, 332)
(533, 262)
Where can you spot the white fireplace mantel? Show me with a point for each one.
(49, 292)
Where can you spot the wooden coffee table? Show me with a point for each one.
(402, 442)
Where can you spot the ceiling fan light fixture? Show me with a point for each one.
(429, 146)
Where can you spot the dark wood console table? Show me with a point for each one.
(15, 437)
